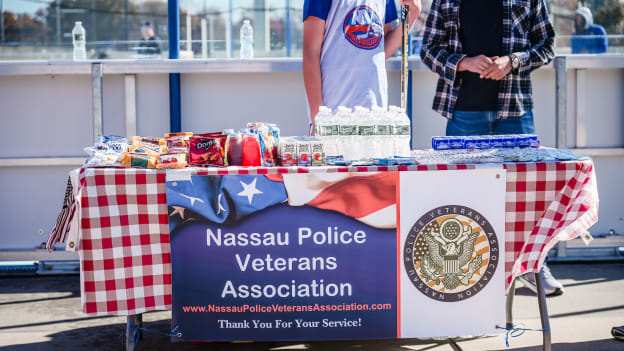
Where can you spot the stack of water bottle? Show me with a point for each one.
(364, 135)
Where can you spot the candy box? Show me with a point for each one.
(336, 161)
(523, 141)
(130, 159)
(405, 160)
(534, 141)
(149, 145)
(456, 142)
(509, 141)
(177, 142)
(172, 161)
(384, 161)
(496, 142)
(470, 143)
(441, 143)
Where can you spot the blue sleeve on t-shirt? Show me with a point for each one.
(316, 8)
(391, 11)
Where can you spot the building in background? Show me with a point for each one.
(41, 29)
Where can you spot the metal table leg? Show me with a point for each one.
(139, 322)
(131, 340)
(509, 304)
(541, 300)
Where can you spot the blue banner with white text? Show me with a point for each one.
(284, 257)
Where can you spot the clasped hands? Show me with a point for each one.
(495, 68)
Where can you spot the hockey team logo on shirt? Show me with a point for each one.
(363, 28)
(451, 253)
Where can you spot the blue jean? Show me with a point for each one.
(485, 123)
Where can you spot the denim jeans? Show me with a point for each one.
(485, 123)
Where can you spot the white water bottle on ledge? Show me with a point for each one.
(246, 41)
(79, 39)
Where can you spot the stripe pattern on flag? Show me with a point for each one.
(64, 219)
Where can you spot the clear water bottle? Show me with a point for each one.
(326, 130)
(333, 136)
(402, 132)
(79, 39)
(246, 41)
(366, 132)
(391, 117)
(347, 131)
(383, 137)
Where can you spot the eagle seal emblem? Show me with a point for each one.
(451, 253)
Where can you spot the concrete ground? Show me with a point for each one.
(44, 313)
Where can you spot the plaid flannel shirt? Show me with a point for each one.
(527, 33)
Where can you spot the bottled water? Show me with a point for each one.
(321, 121)
(246, 41)
(326, 130)
(375, 116)
(402, 132)
(392, 117)
(383, 129)
(363, 147)
(387, 139)
(347, 130)
(79, 39)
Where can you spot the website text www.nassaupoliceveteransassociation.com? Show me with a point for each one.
(288, 308)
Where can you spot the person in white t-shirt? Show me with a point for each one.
(345, 46)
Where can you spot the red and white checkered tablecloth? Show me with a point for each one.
(546, 203)
(125, 257)
(125, 251)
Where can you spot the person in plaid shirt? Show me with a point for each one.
(484, 52)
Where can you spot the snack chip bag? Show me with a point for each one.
(103, 159)
(113, 143)
(206, 150)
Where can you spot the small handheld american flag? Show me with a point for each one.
(63, 222)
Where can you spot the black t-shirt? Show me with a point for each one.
(480, 33)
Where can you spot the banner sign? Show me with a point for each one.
(320, 256)
(452, 227)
